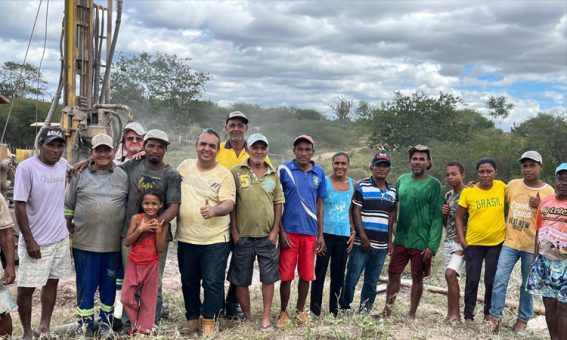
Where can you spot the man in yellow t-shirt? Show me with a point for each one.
(523, 197)
(207, 198)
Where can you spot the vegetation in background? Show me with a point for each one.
(23, 81)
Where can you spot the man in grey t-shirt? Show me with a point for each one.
(95, 205)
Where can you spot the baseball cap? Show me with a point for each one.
(237, 114)
(561, 167)
(136, 127)
(533, 155)
(102, 139)
(380, 158)
(157, 134)
(257, 137)
(422, 148)
(306, 138)
(50, 134)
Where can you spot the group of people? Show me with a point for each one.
(115, 215)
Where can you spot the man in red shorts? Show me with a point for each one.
(301, 237)
(419, 229)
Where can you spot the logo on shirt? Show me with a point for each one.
(315, 180)
(245, 181)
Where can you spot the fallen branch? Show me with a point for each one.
(440, 290)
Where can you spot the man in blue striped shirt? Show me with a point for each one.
(374, 211)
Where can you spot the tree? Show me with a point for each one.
(20, 80)
(415, 118)
(498, 108)
(342, 107)
(161, 82)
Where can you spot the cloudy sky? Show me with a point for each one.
(306, 53)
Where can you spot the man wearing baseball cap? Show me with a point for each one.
(547, 277)
(152, 172)
(374, 208)
(131, 142)
(95, 203)
(419, 227)
(43, 249)
(304, 188)
(255, 226)
(523, 197)
(232, 152)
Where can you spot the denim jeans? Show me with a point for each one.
(206, 263)
(371, 262)
(506, 263)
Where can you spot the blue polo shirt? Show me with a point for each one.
(308, 187)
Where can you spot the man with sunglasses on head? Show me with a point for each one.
(131, 143)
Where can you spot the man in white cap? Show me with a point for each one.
(233, 152)
(95, 203)
(131, 142)
(152, 172)
(255, 226)
(523, 197)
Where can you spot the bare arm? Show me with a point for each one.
(357, 219)
(161, 237)
(459, 223)
(137, 228)
(234, 232)
(169, 214)
(7, 243)
(391, 223)
(321, 248)
(23, 223)
(273, 236)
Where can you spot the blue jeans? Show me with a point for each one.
(207, 264)
(506, 263)
(371, 262)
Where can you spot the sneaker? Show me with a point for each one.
(105, 331)
(302, 317)
(283, 320)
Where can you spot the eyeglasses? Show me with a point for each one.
(132, 139)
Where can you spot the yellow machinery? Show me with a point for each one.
(89, 40)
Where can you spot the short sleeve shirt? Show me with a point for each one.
(551, 223)
(42, 188)
(520, 223)
(97, 202)
(301, 191)
(215, 185)
(486, 226)
(255, 200)
(227, 156)
(376, 207)
(141, 178)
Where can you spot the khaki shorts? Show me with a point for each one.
(55, 263)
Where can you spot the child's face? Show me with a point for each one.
(151, 204)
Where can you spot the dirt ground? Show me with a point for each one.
(427, 325)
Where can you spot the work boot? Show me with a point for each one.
(191, 326)
(302, 317)
(208, 327)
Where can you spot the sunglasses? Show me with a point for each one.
(132, 139)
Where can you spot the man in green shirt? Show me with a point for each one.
(419, 227)
(255, 226)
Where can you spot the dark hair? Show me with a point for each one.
(210, 132)
(341, 153)
(145, 193)
(457, 164)
(486, 160)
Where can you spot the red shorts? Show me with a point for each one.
(400, 258)
(300, 254)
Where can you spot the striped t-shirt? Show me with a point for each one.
(376, 206)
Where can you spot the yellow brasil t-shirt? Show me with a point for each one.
(520, 223)
(486, 225)
(215, 185)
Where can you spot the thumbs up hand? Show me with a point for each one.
(207, 211)
(535, 201)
